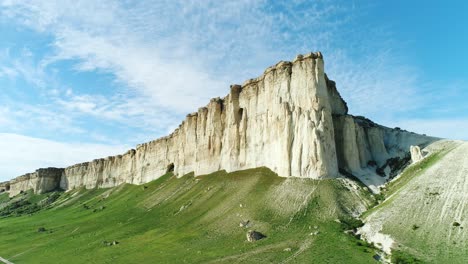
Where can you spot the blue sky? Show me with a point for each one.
(87, 79)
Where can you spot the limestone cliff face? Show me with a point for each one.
(281, 120)
(370, 151)
(291, 119)
(361, 143)
(40, 181)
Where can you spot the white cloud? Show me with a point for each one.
(22, 154)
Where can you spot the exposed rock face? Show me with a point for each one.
(291, 119)
(416, 154)
(4, 186)
(361, 143)
(40, 181)
(281, 120)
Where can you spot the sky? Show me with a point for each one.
(87, 79)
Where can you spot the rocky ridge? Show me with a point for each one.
(291, 119)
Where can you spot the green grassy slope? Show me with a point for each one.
(193, 220)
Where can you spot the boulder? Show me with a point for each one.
(253, 236)
(245, 223)
(416, 154)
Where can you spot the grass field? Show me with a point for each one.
(190, 220)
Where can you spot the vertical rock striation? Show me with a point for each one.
(40, 181)
(281, 120)
(291, 119)
(371, 152)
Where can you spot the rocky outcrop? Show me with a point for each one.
(338, 105)
(253, 236)
(40, 181)
(361, 143)
(370, 151)
(291, 119)
(416, 154)
(4, 186)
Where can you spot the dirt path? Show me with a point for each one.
(5, 261)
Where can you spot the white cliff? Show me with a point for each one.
(291, 119)
(40, 181)
(371, 152)
(281, 120)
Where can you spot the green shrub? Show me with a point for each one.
(400, 257)
(379, 196)
(350, 223)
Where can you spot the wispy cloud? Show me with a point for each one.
(376, 85)
(177, 53)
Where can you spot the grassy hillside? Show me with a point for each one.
(426, 209)
(189, 220)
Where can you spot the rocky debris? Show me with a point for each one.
(245, 223)
(112, 243)
(287, 249)
(315, 233)
(416, 154)
(185, 206)
(253, 236)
